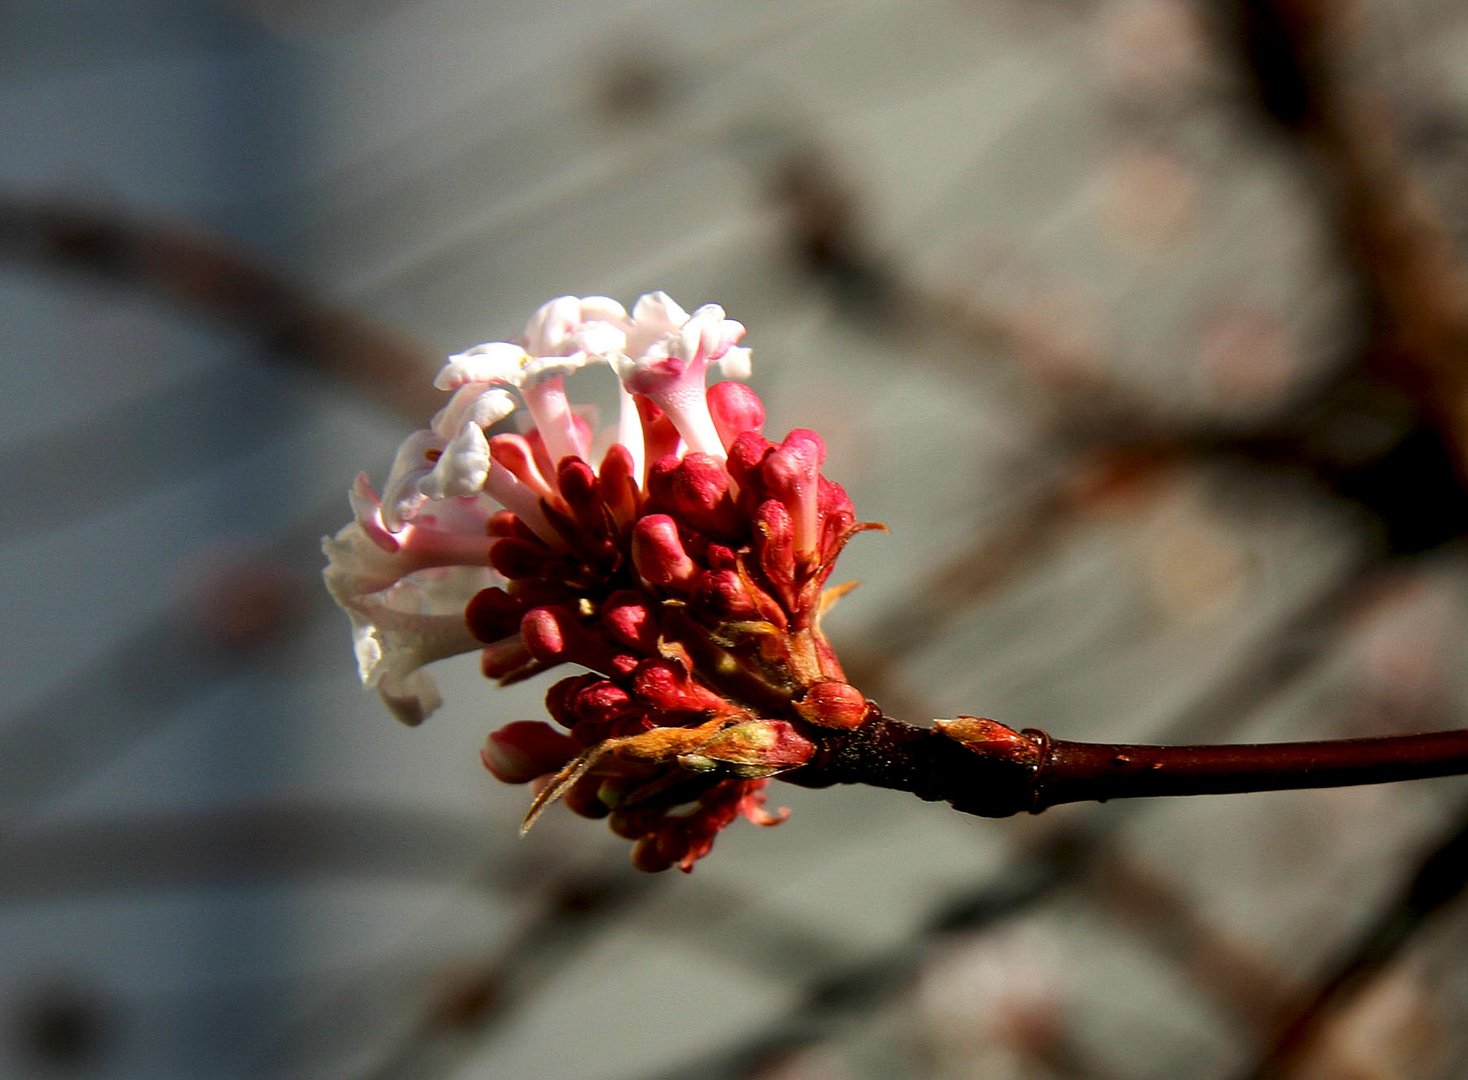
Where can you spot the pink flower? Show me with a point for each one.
(683, 572)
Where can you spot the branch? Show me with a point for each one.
(209, 274)
(982, 767)
(1437, 880)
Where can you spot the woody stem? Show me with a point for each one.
(1007, 777)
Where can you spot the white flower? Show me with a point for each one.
(667, 358)
(462, 466)
(405, 594)
(406, 568)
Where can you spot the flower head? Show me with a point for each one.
(684, 571)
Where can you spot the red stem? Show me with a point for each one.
(1003, 772)
(1095, 772)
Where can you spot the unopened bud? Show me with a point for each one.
(833, 704)
(665, 686)
(629, 621)
(493, 615)
(991, 739)
(752, 749)
(548, 632)
(735, 409)
(657, 551)
(746, 453)
(694, 491)
(503, 657)
(518, 753)
(514, 557)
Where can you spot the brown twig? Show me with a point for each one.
(1436, 881)
(1297, 52)
(212, 275)
(984, 768)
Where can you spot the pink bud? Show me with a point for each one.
(746, 454)
(657, 551)
(603, 702)
(694, 490)
(560, 699)
(666, 687)
(628, 620)
(493, 614)
(503, 658)
(555, 634)
(720, 557)
(837, 518)
(515, 558)
(736, 409)
(518, 753)
(616, 486)
(791, 473)
(833, 704)
(578, 488)
(725, 594)
(549, 632)
(775, 545)
(515, 453)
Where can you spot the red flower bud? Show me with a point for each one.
(514, 557)
(550, 633)
(719, 557)
(775, 546)
(838, 517)
(753, 749)
(518, 753)
(603, 702)
(579, 490)
(735, 409)
(555, 634)
(560, 699)
(503, 658)
(666, 687)
(746, 453)
(657, 551)
(790, 473)
(725, 594)
(493, 615)
(695, 491)
(516, 454)
(617, 488)
(629, 620)
(833, 704)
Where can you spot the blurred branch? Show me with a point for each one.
(210, 275)
(142, 444)
(140, 683)
(1436, 881)
(232, 845)
(1298, 54)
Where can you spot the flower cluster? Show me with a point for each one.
(683, 568)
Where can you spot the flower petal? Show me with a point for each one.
(461, 468)
(492, 362)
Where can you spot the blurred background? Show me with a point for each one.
(1142, 324)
